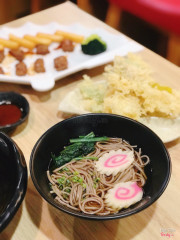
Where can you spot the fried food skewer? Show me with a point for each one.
(22, 42)
(1, 47)
(38, 40)
(9, 43)
(71, 36)
(53, 37)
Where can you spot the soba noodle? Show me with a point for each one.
(84, 187)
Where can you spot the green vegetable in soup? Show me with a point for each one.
(73, 151)
(91, 139)
(80, 158)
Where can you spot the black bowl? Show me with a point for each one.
(13, 179)
(55, 138)
(18, 100)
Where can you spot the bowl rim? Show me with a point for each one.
(26, 106)
(97, 217)
(21, 186)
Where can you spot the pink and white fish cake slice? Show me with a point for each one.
(114, 161)
(123, 195)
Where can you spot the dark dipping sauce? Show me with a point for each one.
(9, 114)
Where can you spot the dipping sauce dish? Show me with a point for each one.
(14, 109)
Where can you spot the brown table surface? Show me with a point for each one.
(37, 220)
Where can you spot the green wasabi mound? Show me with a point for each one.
(93, 45)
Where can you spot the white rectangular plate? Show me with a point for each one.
(77, 60)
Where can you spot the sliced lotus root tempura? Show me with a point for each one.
(122, 195)
(114, 162)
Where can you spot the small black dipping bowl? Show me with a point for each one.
(18, 100)
(55, 138)
(13, 179)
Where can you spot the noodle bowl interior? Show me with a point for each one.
(106, 180)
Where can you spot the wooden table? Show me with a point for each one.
(36, 220)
